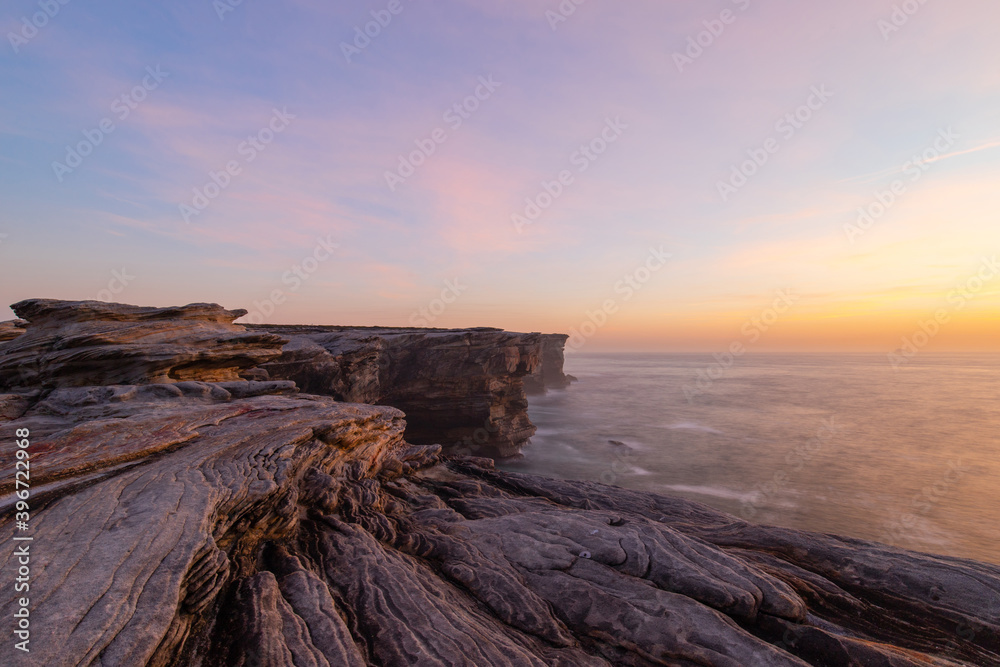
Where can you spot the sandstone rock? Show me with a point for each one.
(79, 343)
(132, 559)
(215, 545)
(11, 329)
(549, 373)
(461, 388)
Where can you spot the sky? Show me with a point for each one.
(670, 176)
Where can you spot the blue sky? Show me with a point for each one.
(321, 179)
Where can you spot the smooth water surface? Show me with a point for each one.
(839, 444)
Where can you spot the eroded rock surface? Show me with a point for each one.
(241, 523)
(11, 329)
(549, 373)
(461, 388)
(80, 343)
(193, 527)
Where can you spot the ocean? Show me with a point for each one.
(841, 444)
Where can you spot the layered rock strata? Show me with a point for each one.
(241, 523)
(233, 524)
(11, 329)
(461, 388)
(78, 343)
(549, 373)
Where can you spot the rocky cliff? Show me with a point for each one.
(193, 521)
(549, 373)
(461, 388)
(78, 343)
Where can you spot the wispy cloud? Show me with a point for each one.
(892, 171)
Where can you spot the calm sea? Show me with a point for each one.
(836, 444)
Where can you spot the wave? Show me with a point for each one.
(693, 426)
(713, 491)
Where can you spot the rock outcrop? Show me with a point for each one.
(11, 329)
(79, 343)
(461, 388)
(549, 373)
(241, 523)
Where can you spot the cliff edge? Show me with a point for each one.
(461, 388)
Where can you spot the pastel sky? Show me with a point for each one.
(666, 120)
